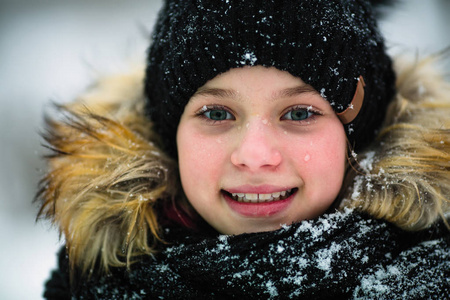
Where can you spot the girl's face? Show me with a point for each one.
(259, 148)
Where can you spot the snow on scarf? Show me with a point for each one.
(340, 255)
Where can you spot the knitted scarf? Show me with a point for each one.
(342, 255)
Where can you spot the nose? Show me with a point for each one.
(257, 148)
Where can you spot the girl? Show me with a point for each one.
(255, 164)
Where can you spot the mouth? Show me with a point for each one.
(260, 198)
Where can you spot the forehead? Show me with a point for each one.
(254, 80)
(256, 75)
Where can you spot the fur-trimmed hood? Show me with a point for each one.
(106, 173)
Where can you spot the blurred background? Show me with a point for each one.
(51, 50)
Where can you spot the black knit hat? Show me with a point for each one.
(329, 44)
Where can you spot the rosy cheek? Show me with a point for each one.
(319, 159)
(201, 159)
(331, 158)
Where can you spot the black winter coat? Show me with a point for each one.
(338, 256)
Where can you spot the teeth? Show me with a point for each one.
(265, 197)
(258, 198)
(251, 197)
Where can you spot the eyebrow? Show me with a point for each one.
(228, 93)
(290, 92)
(219, 93)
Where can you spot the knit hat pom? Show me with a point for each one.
(328, 44)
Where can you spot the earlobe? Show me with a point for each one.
(348, 115)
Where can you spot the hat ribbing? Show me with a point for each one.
(328, 44)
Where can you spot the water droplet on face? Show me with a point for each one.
(307, 157)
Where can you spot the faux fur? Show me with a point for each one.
(105, 171)
(105, 174)
(404, 177)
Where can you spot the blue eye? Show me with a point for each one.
(218, 115)
(298, 114)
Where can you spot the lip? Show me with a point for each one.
(258, 210)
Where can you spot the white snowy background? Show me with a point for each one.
(50, 50)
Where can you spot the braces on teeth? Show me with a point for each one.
(260, 198)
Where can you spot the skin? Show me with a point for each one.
(259, 130)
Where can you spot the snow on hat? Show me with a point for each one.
(329, 44)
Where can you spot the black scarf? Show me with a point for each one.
(337, 256)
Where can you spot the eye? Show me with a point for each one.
(218, 115)
(215, 113)
(299, 114)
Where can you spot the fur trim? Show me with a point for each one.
(405, 176)
(105, 175)
(106, 172)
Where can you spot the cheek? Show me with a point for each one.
(320, 162)
(200, 158)
(328, 161)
